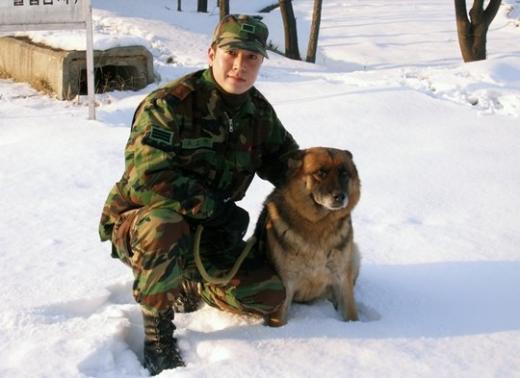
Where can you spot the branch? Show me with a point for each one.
(461, 17)
(461, 12)
(477, 11)
(491, 11)
(478, 4)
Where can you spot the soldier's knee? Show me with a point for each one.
(158, 230)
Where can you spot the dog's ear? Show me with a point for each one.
(349, 154)
(294, 162)
(295, 159)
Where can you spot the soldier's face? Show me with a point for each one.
(235, 70)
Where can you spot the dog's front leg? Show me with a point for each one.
(343, 291)
(278, 318)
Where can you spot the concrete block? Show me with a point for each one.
(63, 72)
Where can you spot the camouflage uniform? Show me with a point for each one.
(188, 149)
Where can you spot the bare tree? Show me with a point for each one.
(315, 30)
(291, 35)
(202, 6)
(224, 8)
(472, 32)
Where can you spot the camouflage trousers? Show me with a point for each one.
(157, 243)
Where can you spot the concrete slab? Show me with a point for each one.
(63, 72)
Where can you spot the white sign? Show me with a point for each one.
(23, 15)
(27, 14)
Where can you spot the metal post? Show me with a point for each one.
(90, 62)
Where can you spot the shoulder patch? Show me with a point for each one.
(161, 135)
(179, 88)
(181, 91)
(160, 138)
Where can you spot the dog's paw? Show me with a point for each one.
(274, 320)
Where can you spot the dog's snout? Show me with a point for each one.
(339, 196)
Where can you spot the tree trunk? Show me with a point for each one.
(291, 34)
(179, 6)
(202, 6)
(472, 31)
(224, 8)
(315, 30)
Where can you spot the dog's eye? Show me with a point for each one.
(322, 173)
(343, 174)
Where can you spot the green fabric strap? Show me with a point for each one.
(224, 280)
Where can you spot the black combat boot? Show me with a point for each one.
(188, 299)
(160, 347)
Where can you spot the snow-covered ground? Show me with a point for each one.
(436, 142)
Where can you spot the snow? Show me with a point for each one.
(436, 144)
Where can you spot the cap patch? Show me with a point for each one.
(248, 28)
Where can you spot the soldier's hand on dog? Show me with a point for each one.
(226, 228)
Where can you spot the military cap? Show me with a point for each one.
(242, 32)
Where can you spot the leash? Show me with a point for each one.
(224, 280)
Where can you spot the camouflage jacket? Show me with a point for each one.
(186, 151)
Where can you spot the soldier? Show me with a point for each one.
(194, 147)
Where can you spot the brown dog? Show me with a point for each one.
(307, 230)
